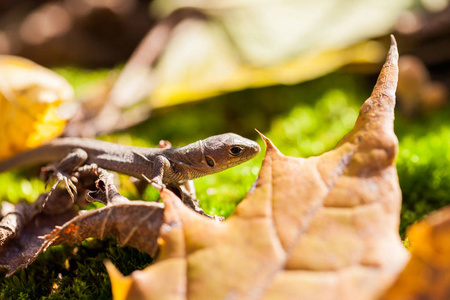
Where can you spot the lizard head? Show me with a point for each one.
(226, 150)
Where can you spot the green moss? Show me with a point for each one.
(311, 129)
(423, 166)
(78, 272)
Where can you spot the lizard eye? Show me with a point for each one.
(210, 161)
(235, 150)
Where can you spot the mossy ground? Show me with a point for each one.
(302, 120)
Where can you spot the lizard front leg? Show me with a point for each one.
(184, 189)
(161, 168)
(62, 171)
(141, 184)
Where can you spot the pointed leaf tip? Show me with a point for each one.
(267, 141)
(393, 41)
(392, 56)
(387, 80)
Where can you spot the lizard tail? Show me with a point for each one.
(33, 157)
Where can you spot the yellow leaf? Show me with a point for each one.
(427, 274)
(120, 284)
(29, 97)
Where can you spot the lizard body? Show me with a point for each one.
(162, 166)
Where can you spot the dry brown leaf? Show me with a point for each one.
(427, 275)
(324, 227)
(135, 223)
(21, 251)
(23, 227)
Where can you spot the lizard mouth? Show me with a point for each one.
(256, 148)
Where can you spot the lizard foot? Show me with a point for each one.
(58, 176)
(63, 170)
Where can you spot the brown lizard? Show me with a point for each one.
(157, 165)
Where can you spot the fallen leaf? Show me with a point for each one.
(427, 274)
(29, 97)
(134, 224)
(21, 251)
(27, 230)
(23, 224)
(323, 227)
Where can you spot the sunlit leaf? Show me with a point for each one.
(427, 275)
(29, 98)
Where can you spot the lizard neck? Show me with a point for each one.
(189, 161)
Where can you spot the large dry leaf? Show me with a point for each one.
(427, 275)
(324, 227)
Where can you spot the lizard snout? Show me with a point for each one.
(256, 148)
